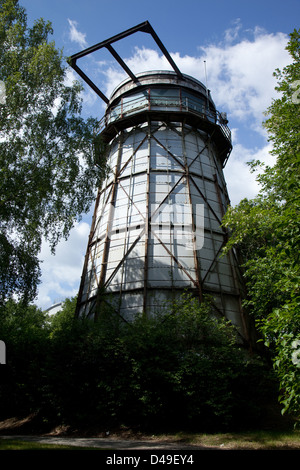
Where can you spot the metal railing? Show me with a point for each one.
(162, 103)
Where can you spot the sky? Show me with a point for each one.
(241, 42)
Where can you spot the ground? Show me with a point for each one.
(124, 438)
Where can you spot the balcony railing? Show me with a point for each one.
(135, 104)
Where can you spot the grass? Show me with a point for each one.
(280, 436)
(252, 440)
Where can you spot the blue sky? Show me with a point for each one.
(242, 43)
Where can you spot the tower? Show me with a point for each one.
(156, 229)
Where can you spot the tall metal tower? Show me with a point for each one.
(156, 229)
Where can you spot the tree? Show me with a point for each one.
(47, 166)
(25, 331)
(267, 231)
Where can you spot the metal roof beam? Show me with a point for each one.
(151, 31)
(142, 27)
(88, 81)
(117, 37)
(121, 62)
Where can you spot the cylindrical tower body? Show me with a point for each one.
(157, 223)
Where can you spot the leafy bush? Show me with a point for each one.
(25, 332)
(179, 369)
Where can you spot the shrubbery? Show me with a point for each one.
(181, 369)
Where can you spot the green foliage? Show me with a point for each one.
(24, 330)
(47, 163)
(267, 232)
(179, 369)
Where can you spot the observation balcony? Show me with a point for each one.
(168, 105)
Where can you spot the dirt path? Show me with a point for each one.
(110, 443)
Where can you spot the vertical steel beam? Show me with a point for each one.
(196, 259)
(147, 223)
(108, 230)
(87, 255)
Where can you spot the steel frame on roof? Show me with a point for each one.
(144, 27)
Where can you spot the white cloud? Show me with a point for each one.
(231, 34)
(61, 272)
(70, 77)
(241, 75)
(239, 71)
(75, 35)
(241, 183)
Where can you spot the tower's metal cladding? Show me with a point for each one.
(156, 229)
